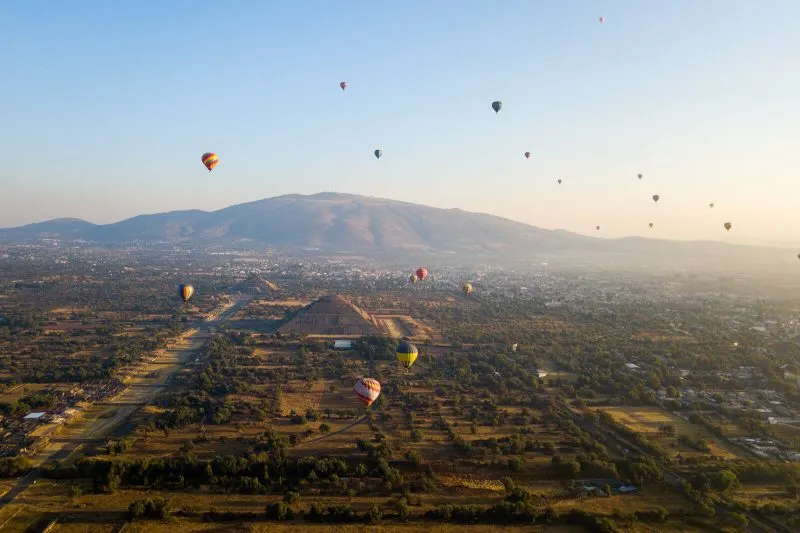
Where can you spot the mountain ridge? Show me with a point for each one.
(344, 222)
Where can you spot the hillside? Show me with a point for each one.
(333, 222)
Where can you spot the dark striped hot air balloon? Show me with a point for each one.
(407, 353)
(185, 292)
(210, 160)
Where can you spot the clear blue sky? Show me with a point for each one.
(108, 106)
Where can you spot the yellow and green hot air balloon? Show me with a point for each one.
(185, 292)
(466, 288)
(407, 353)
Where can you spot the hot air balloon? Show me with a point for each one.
(466, 288)
(406, 353)
(210, 160)
(651, 225)
(514, 347)
(413, 278)
(378, 153)
(655, 198)
(497, 106)
(367, 390)
(343, 85)
(185, 292)
(728, 226)
(598, 228)
(711, 205)
(602, 19)
(559, 181)
(798, 256)
(422, 273)
(527, 155)
(639, 176)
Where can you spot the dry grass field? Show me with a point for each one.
(647, 420)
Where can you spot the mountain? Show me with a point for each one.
(328, 221)
(334, 222)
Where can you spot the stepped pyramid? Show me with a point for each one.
(331, 315)
(254, 285)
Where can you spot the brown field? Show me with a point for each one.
(646, 420)
(18, 392)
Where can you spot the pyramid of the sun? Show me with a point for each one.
(331, 315)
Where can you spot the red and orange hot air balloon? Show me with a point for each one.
(367, 390)
(422, 273)
(210, 160)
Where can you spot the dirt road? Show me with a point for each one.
(101, 419)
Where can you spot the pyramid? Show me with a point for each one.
(254, 285)
(331, 315)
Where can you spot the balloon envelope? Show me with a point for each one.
(527, 155)
(185, 292)
(407, 353)
(210, 160)
(378, 153)
(422, 273)
(497, 106)
(343, 85)
(367, 390)
(466, 288)
(728, 226)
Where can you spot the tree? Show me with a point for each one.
(402, 509)
(375, 514)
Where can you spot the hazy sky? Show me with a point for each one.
(107, 107)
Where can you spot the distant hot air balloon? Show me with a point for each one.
(514, 347)
(422, 273)
(651, 225)
(367, 390)
(602, 19)
(185, 292)
(655, 198)
(343, 85)
(210, 160)
(559, 181)
(711, 205)
(598, 228)
(378, 153)
(728, 226)
(466, 288)
(497, 106)
(413, 278)
(407, 353)
(798, 256)
(527, 155)
(639, 176)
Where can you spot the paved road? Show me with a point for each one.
(117, 410)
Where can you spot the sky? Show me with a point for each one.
(107, 108)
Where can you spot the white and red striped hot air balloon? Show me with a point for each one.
(367, 390)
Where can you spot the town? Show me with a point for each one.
(600, 398)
